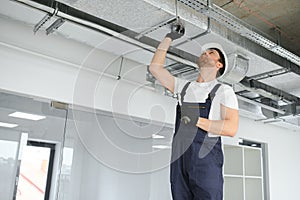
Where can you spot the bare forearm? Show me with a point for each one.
(218, 127)
(159, 57)
(157, 65)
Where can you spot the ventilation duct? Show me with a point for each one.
(238, 66)
(251, 110)
(240, 27)
(238, 70)
(268, 113)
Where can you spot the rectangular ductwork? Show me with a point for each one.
(145, 27)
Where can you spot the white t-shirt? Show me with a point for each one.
(198, 93)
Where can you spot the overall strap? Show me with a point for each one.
(213, 92)
(181, 95)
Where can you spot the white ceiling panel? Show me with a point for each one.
(130, 14)
(190, 31)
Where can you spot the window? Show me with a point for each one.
(36, 171)
(245, 171)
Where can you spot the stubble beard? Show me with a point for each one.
(206, 63)
(206, 68)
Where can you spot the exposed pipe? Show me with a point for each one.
(233, 23)
(269, 74)
(268, 91)
(207, 31)
(151, 29)
(273, 121)
(176, 10)
(275, 53)
(253, 42)
(108, 31)
(260, 104)
(280, 119)
(260, 92)
(122, 37)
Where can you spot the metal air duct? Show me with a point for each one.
(238, 66)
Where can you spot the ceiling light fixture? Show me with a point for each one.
(155, 136)
(26, 116)
(8, 125)
(161, 147)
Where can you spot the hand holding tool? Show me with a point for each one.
(177, 30)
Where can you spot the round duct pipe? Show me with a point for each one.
(238, 66)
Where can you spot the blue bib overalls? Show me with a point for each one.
(197, 160)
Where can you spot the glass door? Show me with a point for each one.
(32, 129)
(36, 171)
(11, 145)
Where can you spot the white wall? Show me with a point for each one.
(284, 159)
(60, 73)
(59, 69)
(106, 165)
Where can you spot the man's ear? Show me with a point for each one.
(219, 65)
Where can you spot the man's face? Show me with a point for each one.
(209, 58)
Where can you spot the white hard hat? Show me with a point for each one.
(220, 48)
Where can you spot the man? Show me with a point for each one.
(206, 110)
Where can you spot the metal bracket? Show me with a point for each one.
(207, 31)
(59, 105)
(55, 25)
(41, 23)
(44, 20)
(240, 27)
(154, 28)
(269, 74)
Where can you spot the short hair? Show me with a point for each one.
(221, 60)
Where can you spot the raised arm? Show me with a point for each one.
(157, 64)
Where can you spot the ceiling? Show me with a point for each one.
(48, 129)
(134, 28)
(277, 18)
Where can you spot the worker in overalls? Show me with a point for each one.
(206, 110)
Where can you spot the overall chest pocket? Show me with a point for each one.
(195, 110)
